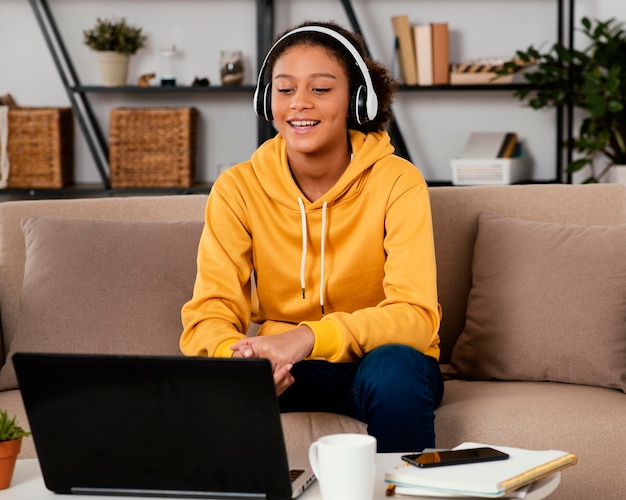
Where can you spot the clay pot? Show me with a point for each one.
(8, 455)
(113, 68)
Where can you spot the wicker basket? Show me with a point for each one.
(152, 147)
(41, 148)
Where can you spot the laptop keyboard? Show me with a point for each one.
(295, 474)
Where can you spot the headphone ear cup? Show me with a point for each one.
(266, 103)
(263, 104)
(358, 105)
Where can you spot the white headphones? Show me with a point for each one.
(364, 101)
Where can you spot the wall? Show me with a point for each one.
(435, 125)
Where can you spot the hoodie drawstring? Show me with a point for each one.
(323, 244)
(304, 250)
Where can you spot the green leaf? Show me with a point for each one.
(590, 180)
(577, 165)
(9, 428)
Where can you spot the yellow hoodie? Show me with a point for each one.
(357, 266)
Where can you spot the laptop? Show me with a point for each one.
(158, 426)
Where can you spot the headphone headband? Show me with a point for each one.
(261, 99)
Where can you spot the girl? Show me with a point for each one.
(324, 237)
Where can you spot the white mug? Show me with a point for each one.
(345, 466)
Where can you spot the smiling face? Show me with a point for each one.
(310, 99)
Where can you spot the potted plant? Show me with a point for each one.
(592, 80)
(115, 41)
(11, 435)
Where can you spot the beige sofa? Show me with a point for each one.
(533, 335)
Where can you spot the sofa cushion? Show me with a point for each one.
(547, 303)
(100, 286)
(579, 419)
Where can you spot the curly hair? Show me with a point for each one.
(383, 83)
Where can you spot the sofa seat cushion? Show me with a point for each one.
(584, 420)
(302, 428)
(548, 302)
(99, 286)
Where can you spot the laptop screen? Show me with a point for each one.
(176, 426)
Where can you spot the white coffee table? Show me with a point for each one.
(28, 484)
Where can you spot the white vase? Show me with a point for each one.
(113, 68)
(618, 174)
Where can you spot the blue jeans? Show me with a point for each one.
(394, 389)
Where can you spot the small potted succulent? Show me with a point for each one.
(592, 80)
(11, 435)
(115, 41)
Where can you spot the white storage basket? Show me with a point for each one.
(478, 171)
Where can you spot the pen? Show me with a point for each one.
(391, 488)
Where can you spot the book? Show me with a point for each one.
(542, 488)
(441, 53)
(490, 145)
(422, 36)
(406, 48)
(485, 479)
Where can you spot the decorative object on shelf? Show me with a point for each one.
(231, 67)
(4, 140)
(152, 147)
(36, 147)
(423, 40)
(406, 48)
(483, 71)
(115, 41)
(422, 51)
(11, 435)
(592, 80)
(491, 158)
(144, 80)
(8, 101)
(168, 71)
(201, 82)
(441, 53)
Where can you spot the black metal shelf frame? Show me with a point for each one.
(97, 142)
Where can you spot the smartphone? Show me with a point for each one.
(454, 457)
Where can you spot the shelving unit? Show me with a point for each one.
(87, 122)
(264, 10)
(564, 117)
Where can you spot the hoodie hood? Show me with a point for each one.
(366, 150)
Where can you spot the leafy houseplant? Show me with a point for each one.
(11, 435)
(115, 41)
(9, 428)
(114, 35)
(593, 80)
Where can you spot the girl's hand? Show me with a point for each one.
(283, 378)
(283, 351)
(282, 375)
(285, 348)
